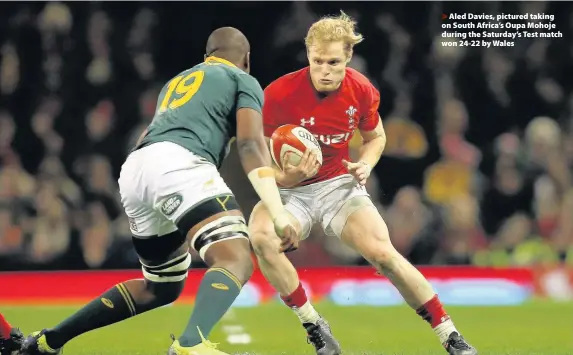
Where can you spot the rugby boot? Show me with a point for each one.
(456, 345)
(320, 336)
(12, 345)
(35, 344)
(205, 347)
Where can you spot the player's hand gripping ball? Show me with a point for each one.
(292, 145)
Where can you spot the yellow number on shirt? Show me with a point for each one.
(182, 85)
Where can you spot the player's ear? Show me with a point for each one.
(248, 62)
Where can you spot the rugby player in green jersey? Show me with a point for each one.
(174, 198)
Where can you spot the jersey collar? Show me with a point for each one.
(219, 60)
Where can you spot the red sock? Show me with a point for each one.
(296, 299)
(5, 328)
(433, 312)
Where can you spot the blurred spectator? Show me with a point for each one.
(50, 234)
(96, 237)
(405, 138)
(11, 238)
(99, 71)
(9, 69)
(508, 194)
(455, 174)
(462, 235)
(7, 132)
(413, 226)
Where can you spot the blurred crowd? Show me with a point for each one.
(477, 168)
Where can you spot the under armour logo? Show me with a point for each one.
(309, 122)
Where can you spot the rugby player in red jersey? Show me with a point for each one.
(10, 338)
(332, 101)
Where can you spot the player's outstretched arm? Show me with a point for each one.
(373, 145)
(256, 161)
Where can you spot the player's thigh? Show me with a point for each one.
(198, 201)
(366, 232)
(350, 215)
(162, 250)
(262, 231)
(164, 258)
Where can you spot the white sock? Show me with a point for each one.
(444, 330)
(307, 313)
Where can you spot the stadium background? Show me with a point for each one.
(476, 172)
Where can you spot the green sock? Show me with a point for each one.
(217, 292)
(115, 305)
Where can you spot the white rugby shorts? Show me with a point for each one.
(159, 183)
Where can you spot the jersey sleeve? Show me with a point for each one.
(271, 113)
(369, 119)
(249, 93)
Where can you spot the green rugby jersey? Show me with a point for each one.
(197, 108)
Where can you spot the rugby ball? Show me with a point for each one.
(289, 142)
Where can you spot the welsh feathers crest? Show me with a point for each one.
(351, 111)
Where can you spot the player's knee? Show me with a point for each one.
(263, 237)
(384, 256)
(224, 242)
(234, 256)
(265, 243)
(239, 263)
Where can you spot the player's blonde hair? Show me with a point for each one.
(333, 29)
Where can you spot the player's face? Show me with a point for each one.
(327, 65)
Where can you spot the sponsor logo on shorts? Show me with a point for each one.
(108, 303)
(220, 286)
(132, 224)
(171, 204)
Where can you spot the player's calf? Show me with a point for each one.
(165, 262)
(276, 267)
(366, 232)
(280, 272)
(221, 238)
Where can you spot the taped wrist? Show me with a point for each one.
(264, 183)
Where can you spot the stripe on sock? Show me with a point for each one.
(127, 297)
(229, 275)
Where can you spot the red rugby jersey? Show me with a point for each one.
(292, 99)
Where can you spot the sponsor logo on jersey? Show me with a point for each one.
(329, 139)
(171, 204)
(309, 122)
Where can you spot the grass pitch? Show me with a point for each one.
(272, 329)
